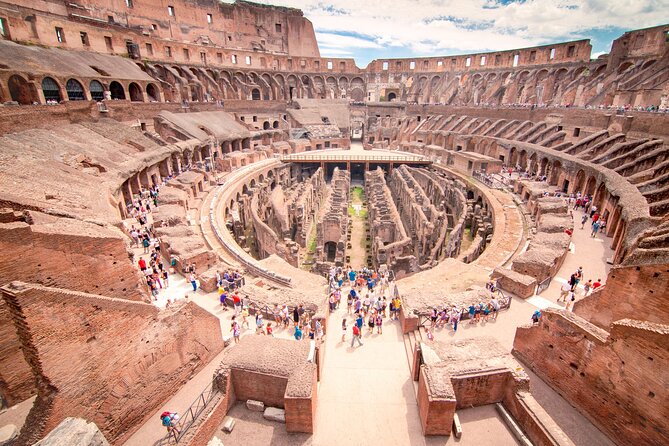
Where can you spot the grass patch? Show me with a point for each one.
(357, 193)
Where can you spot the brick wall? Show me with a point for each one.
(482, 387)
(17, 382)
(436, 415)
(637, 292)
(257, 386)
(107, 360)
(618, 380)
(67, 259)
(533, 419)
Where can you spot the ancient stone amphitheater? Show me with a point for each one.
(444, 173)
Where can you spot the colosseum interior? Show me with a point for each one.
(259, 170)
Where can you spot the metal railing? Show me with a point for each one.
(503, 300)
(188, 418)
(541, 287)
(356, 158)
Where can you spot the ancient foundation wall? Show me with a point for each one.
(618, 379)
(436, 414)
(482, 387)
(69, 254)
(17, 382)
(249, 385)
(107, 360)
(637, 292)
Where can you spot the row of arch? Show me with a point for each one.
(50, 90)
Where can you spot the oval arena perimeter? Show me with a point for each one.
(212, 235)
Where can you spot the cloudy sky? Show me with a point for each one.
(370, 29)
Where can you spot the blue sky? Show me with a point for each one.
(377, 29)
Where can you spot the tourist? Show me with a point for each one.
(596, 284)
(142, 264)
(486, 312)
(602, 226)
(166, 278)
(478, 309)
(359, 321)
(536, 316)
(433, 316)
(296, 316)
(356, 336)
(564, 291)
(245, 316)
(379, 323)
(455, 317)
(343, 330)
(358, 305)
(318, 329)
(221, 295)
(259, 323)
(285, 316)
(270, 330)
(397, 303)
(472, 312)
(237, 303)
(236, 330)
(570, 301)
(595, 229)
(583, 220)
(193, 281)
(587, 287)
(331, 301)
(298, 333)
(145, 244)
(366, 303)
(495, 308)
(370, 323)
(169, 420)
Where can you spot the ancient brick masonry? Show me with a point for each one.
(391, 245)
(333, 225)
(617, 378)
(107, 360)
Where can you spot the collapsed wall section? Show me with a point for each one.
(107, 360)
(617, 379)
(332, 227)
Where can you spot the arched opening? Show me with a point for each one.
(579, 181)
(266, 125)
(255, 94)
(75, 91)
(590, 186)
(116, 90)
(392, 96)
(275, 125)
(330, 249)
(135, 93)
(152, 93)
(51, 90)
(20, 90)
(97, 90)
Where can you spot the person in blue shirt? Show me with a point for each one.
(298, 333)
(351, 276)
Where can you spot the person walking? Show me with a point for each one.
(356, 336)
(193, 281)
(343, 330)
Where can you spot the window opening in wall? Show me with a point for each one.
(255, 119)
(426, 63)
(149, 49)
(229, 38)
(571, 50)
(577, 131)
(50, 90)
(219, 57)
(84, 38)
(551, 55)
(108, 42)
(60, 35)
(516, 58)
(154, 26)
(4, 27)
(242, 118)
(498, 59)
(533, 56)
(385, 65)
(75, 91)
(170, 11)
(233, 58)
(248, 60)
(419, 119)
(97, 91)
(110, 19)
(210, 19)
(483, 58)
(168, 51)
(468, 62)
(453, 62)
(329, 64)
(342, 65)
(317, 65)
(203, 57)
(128, 3)
(440, 63)
(290, 63)
(186, 54)
(303, 63)
(412, 65)
(277, 27)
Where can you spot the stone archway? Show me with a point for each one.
(21, 90)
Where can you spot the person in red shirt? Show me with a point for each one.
(237, 302)
(597, 284)
(142, 264)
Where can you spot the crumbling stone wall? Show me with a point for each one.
(617, 379)
(391, 245)
(333, 223)
(17, 382)
(67, 253)
(107, 360)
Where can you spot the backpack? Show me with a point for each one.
(356, 330)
